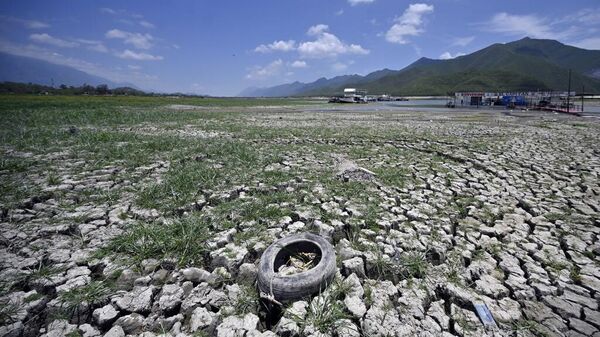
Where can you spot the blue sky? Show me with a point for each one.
(222, 47)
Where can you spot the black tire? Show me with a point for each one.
(285, 288)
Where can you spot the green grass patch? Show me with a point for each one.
(94, 294)
(394, 176)
(183, 240)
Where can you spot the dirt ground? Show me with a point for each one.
(122, 217)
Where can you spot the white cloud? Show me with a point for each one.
(99, 48)
(462, 41)
(586, 16)
(138, 40)
(358, 2)
(448, 55)
(409, 24)
(107, 10)
(338, 66)
(133, 67)
(592, 43)
(520, 25)
(146, 24)
(269, 70)
(340, 12)
(418, 50)
(126, 21)
(41, 53)
(86, 41)
(527, 25)
(31, 24)
(276, 46)
(299, 64)
(327, 45)
(48, 39)
(573, 28)
(93, 45)
(131, 55)
(317, 29)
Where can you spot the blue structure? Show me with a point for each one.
(516, 100)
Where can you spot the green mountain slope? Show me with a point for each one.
(584, 61)
(524, 65)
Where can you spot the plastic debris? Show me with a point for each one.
(485, 316)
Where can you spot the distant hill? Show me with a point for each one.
(527, 64)
(23, 69)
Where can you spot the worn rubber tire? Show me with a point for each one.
(287, 288)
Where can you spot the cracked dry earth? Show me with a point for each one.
(461, 208)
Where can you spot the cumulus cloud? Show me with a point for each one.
(299, 64)
(138, 40)
(358, 2)
(327, 45)
(448, 55)
(48, 39)
(131, 55)
(317, 29)
(409, 24)
(271, 69)
(276, 46)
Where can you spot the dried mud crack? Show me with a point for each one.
(154, 225)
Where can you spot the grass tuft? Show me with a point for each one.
(183, 240)
(247, 301)
(8, 312)
(414, 264)
(323, 314)
(92, 295)
(532, 327)
(53, 179)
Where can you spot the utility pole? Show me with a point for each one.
(582, 94)
(569, 92)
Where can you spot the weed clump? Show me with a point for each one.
(184, 240)
(414, 264)
(247, 301)
(324, 314)
(8, 312)
(77, 302)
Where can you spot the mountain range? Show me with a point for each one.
(523, 65)
(23, 69)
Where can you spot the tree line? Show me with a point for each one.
(85, 89)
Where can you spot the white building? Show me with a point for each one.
(355, 95)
